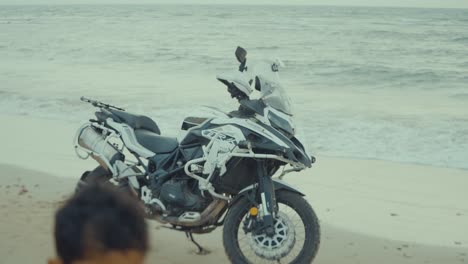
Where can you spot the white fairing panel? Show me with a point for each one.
(228, 133)
(223, 140)
(128, 137)
(207, 112)
(239, 79)
(250, 125)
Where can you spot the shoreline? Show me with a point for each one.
(62, 144)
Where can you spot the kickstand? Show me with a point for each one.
(201, 250)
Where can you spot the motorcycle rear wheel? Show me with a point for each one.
(98, 175)
(234, 238)
(101, 175)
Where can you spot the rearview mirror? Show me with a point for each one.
(241, 54)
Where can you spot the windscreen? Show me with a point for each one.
(272, 92)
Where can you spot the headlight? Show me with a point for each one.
(283, 123)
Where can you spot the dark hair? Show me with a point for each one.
(99, 219)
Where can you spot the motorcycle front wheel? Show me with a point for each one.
(296, 238)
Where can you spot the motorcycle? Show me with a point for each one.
(220, 173)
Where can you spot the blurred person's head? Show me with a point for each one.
(100, 225)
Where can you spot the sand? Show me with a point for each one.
(370, 211)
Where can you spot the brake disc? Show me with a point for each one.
(280, 244)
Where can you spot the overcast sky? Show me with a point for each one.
(402, 3)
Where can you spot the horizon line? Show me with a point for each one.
(225, 4)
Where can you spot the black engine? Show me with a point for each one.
(182, 195)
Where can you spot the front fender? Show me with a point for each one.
(282, 185)
(249, 191)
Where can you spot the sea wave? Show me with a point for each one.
(461, 39)
(52, 54)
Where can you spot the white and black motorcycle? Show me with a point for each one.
(225, 170)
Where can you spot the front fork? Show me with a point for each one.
(268, 199)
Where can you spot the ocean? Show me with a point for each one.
(366, 82)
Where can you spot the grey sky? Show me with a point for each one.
(402, 3)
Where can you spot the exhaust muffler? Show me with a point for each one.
(98, 147)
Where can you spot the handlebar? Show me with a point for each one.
(99, 104)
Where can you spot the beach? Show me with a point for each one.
(370, 211)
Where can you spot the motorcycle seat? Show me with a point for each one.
(136, 121)
(154, 142)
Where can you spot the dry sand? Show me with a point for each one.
(370, 211)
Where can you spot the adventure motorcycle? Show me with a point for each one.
(219, 174)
